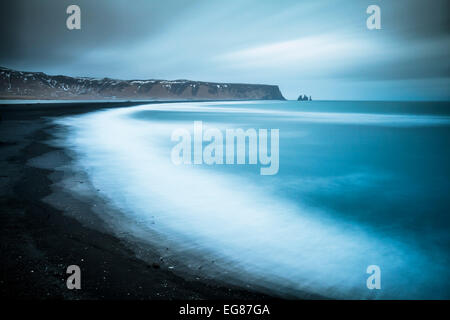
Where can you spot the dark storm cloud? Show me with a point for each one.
(291, 43)
(35, 33)
(414, 43)
(417, 19)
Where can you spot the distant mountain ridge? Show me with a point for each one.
(38, 85)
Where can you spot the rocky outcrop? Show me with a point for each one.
(304, 98)
(38, 85)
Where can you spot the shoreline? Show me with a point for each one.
(39, 241)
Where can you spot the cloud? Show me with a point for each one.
(287, 42)
(313, 55)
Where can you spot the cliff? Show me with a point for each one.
(38, 85)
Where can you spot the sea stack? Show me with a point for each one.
(304, 98)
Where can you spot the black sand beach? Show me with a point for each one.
(38, 241)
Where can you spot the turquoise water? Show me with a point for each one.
(359, 184)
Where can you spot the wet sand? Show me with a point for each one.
(39, 241)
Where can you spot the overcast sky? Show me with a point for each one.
(318, 47)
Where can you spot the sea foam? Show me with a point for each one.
(264, 238)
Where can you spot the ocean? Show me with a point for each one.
(358, 184)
